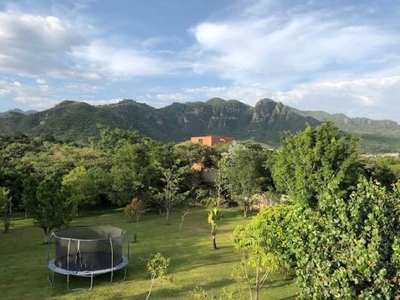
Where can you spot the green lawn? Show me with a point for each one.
(193, 262)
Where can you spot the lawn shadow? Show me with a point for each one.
(182, 292)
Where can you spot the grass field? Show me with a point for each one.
(193, 261)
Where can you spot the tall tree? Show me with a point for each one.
(49, 206)
(308, 161)
(242, 168)
(171, 193)
(131, 173)
(5, 211)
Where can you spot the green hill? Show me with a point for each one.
(77, 121)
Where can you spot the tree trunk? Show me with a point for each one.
(214, 242)
(167, 215)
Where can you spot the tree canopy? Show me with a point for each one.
(310, 160)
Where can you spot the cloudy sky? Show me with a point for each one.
(337, 56)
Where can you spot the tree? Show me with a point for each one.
(131, 173)
(5, 203)
(134, 210)
(157, 266)
(242, 170)
(308, 161)
(221, 181)
(196, 153)
(13, 170)
(82, 187)
(349, 247)
(378, 171)
(214, 215)
(102, 179)
(264, 247)
(171, 194)
(48, 206)
(113, 139)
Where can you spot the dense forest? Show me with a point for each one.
(338, 205)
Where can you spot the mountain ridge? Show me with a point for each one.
(73, 120)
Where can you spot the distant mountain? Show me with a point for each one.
(71, 120)
(17, 111)
(377, 136)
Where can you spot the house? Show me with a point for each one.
(211, 140)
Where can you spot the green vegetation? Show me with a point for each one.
(318, 210)
(78, 122)
(5, 208)
(262, 243)
(157, 266)
(193, 264)
(214, 215)
(348, 247)
(309, 161)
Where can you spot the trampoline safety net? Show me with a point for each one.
(88, 248)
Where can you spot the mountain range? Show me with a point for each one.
(77, 121)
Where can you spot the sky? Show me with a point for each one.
(338, 56)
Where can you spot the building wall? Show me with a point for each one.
(211, 140)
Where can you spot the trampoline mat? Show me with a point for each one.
(88, 261)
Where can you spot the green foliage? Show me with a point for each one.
(171, 193)
(308, 161)
(49, 205)
(83, 190)
(242, 172)
(131, 173)
(113, 139)
(349, 247)
(214, 215)
(265, 247)
(378, 170)
(199, 293)
(5, 203)
(197, 153)
(157, 267)
(392, 164)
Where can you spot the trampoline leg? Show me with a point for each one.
(91, 281)
(123, 279)
(81, 289)
(124, 274)
(68, 283)
(51, 281)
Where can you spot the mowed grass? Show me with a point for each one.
(23, 269)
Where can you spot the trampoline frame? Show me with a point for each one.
(55, 269)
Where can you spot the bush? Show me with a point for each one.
(349, 248)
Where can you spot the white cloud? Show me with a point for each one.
(50, 47)
(371, 97)
(119, 62)
(286, 51)
(32, 45)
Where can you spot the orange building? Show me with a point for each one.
(211, 140)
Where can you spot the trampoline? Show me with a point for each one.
(87, 251)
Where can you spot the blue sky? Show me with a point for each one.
(336, 56)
